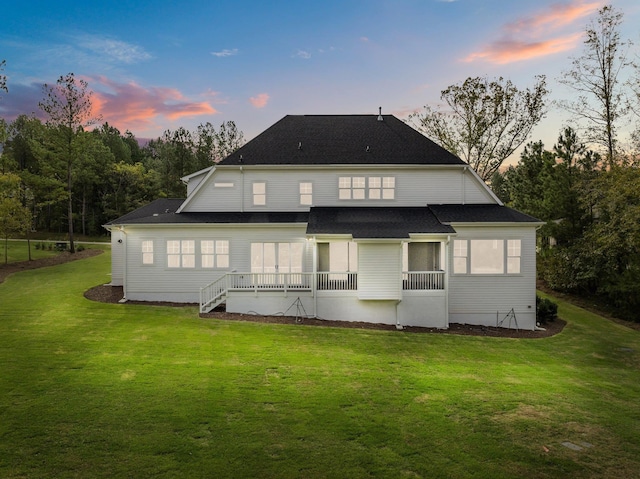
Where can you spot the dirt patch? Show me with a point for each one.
(113, 294)
(64, 257)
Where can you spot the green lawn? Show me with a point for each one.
(92, 390)
(18, 251)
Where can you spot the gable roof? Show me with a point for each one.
(375, 222)
(341, 140)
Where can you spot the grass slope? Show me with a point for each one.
(99, 390)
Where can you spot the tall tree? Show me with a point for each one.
(3, 78)
(214, 145)
(68, 107)
(596, 76)
(14, 217)
(484, 121)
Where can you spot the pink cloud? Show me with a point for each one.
(131, 106)
(260, 100)
(508, 51)
(535, 36)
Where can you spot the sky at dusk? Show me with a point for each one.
(160, 65)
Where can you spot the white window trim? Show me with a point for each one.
(184, 254)
(466, 252)
(216, 256)
(259, 198)
(305, 197)
(149, 253)
(357, 188)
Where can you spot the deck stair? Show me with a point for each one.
(213, 294)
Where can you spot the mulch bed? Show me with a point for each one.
(113, 294)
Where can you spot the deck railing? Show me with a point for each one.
(214, 293)
(422, 280)
(270, 281)
(334, 281)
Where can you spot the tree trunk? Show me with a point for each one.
(72, 248)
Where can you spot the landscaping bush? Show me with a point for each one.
(546, 310)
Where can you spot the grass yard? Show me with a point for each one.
(17, 251)
(90, 390)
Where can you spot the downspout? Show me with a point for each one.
(446, 279)
(242, 188)
(124, 266)
(314, 281)
(399, 326)
(464, 190)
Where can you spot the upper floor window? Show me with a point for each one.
(486, 256)
(361, 187)
(259, 193)
(351, 187)
(306, 193)
(382, 187)
(147, 252)
(223, 184)
(181, 254)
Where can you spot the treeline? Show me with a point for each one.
(112, 172)
(590, 243)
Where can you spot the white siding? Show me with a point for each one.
(195, 181)
(413, 187)
(117, 257)
(476, 299)
(379, 271)
(158, 282)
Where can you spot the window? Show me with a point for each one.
(382, 187)
(306, 194)
(420, 256)
(513, 256)
(214, 253)
(351, 188)
(338, 256)
(223, 184)
(460, 256)
(276, 257)
(486, 256)
(360, 187)
(260, 193)
(181, 254)
(147, 252)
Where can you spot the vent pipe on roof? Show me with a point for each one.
(380, 114)
(299, 145)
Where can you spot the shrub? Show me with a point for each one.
(546, 310)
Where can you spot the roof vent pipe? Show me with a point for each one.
(380, 114)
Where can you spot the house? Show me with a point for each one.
(347, 217)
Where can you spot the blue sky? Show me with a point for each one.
(163, 64)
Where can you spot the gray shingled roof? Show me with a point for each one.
(482, 213)
(375, 222)
(163, 211)
(341, 140)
